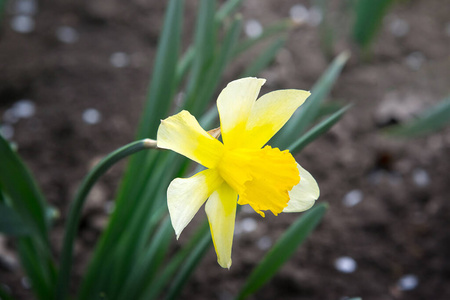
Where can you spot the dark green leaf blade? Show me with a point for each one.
(11, 223)
(317, 130)
(430, 121)
(282, 250)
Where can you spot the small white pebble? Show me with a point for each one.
(24, 7)
(246, 225)
(24, 108)
(119, 59)
(315, 17)
(26, 283)
(421, 178)
(345, 264)
(92, 116)
(264, 243)
(7, 131)
(399, 27)
(22, 24)
(67, 34)
(352, 198)
(253, 28)
(299, 14)
(415, 60)
(408, 282)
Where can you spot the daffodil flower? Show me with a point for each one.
(241, 170)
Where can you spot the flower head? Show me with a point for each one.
(241, 169)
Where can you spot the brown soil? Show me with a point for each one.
(400, 227)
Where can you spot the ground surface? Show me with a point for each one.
(400, 226)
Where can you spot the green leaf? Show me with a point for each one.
(317, 131)
(274, 30)
(283, 250)
(226, 9)
(430, 121)
(11, 223)
(369, 17)
(189, 266)
(18, 184)
(304, 116)
(264, 59)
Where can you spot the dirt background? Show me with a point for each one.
(398, 228)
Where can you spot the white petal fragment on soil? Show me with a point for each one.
(352, 198)
(119, 59)
(24, 108)
(299, 13)
(345, 264)
(253, 28)
(92, 116)
(22, 24)
(67, 34)
(408, 282)
(421, 178)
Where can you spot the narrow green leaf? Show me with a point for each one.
(226, 9)
(189, 266)
(317, 131)
(16, 182)
(11, 223)
(264, 59)
(162, 86)
(304, 116)
(273, 30)
(430, 121)
(283, 250)
(369, 17)
(157, 284)
(5, 295)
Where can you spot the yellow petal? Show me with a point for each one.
(262, 177)
(185, 196)
(304, 194)
(270, 113)
(235, 103)
(221, 211)
(182, 133)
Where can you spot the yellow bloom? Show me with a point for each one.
(263, 177)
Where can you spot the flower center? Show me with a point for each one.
(262, 177)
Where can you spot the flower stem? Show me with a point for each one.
(77, 205)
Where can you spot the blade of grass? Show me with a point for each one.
(264, 59)
(226, 9)
(186, 270)
(155, 286)
(282, 250)
(317, 131)
(77, 205)
(430, 121)
(11, 223)
(272, 30)
(369, 17)
(17, 182)
(303, 117)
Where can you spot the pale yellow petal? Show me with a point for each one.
(270, 113)
(221, 211)
(304, 194)
(185, 196)
(182, 133)
(235, 104)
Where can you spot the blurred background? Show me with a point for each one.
(74, 76)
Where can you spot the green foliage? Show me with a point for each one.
(282, 250)
(428, 122)
(133, 258)
(369, 17)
